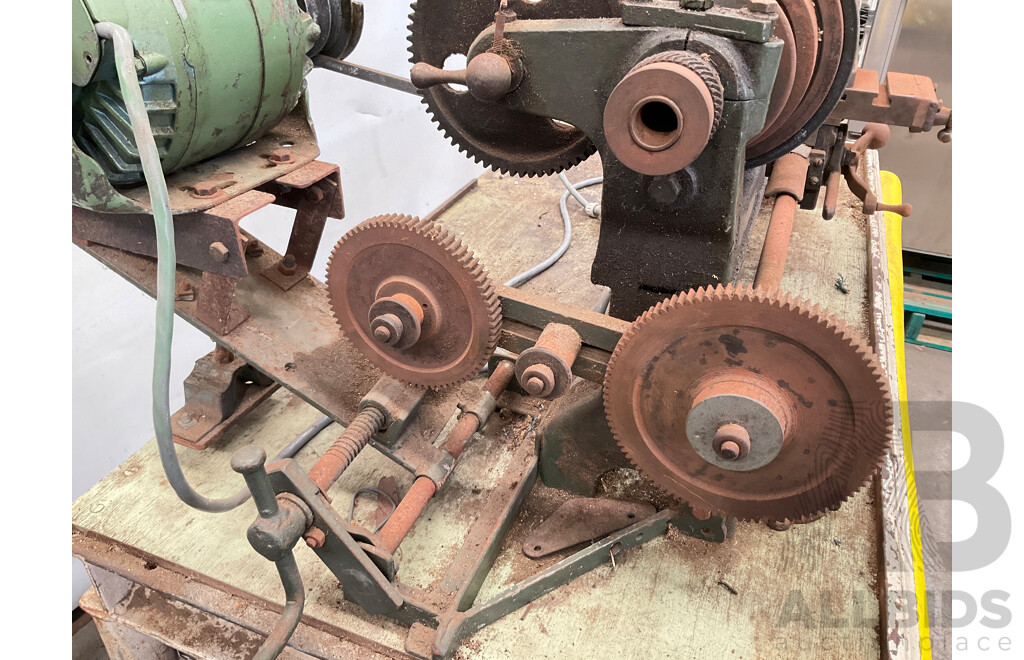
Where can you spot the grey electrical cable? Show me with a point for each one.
(302, 439)
(378, 493)
(573, 190)
(131, 92)
(570, 189)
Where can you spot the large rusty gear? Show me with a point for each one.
(748, 404)
(498, 137)
(414, 300)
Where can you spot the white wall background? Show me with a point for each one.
(392, 159)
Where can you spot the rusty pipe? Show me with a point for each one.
(406, 514)
(415, 501)
(789, 175)
(356, 435)
(776, 244)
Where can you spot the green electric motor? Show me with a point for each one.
(215, 75)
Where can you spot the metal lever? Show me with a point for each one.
(875, 136)
(249, 462)
(488, 77)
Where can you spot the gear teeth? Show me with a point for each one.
(835, 491)
(422, 36)
(457, 259)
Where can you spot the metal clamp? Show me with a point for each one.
(438, 472)
(398, 402)
(482, 408)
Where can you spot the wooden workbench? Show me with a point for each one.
(168, 576)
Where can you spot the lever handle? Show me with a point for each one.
(488, 76)
(425, 76)
(249, 462)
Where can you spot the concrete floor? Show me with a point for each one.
(930, 386)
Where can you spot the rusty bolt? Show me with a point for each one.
(314, 194)
(222, 355)
(280, 156)
(732, 442)
(253, 248)
(817, 161)
(315, 538)
(185, 292)
(219, 252)
(287, 265)
(204, 189)
(815, 180)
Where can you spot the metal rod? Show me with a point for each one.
(365, 73)
(415, 501)
(295, 598)
(335, 460)
(776, 244)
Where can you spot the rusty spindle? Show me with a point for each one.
(423, 489)
(335, 460)
(786, 183)
(545, 369)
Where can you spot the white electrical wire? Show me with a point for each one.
(593, 210)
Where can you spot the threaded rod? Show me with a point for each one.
(356, 435)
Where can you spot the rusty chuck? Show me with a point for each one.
(545, 369)
(662, 114)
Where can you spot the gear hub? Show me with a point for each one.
(414, 300)
(748, 404)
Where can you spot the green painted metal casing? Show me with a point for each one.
(215, 74)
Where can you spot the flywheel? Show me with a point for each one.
(414, 300)
(748, 404)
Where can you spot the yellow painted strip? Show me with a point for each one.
(892, 193)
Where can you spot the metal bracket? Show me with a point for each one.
(315, 193)
(217, 396)
(365, 572)
(398, 401)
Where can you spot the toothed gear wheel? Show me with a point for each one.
(492, 134)
(703, 69)
(803, 402)
(413, 271)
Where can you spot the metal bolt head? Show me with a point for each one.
(387, 329)
(315, 538)
(729, 450)
(817, 161)
(538, 380)
(697, 5)
(815, 180)
(219, 252)
(732, 442)
(253, 248)
(314, 194)
(665, 189)
(288, 265)
(280, 156)
(204, 189)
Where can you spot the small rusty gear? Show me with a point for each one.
(748, 404)
(414, 300)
